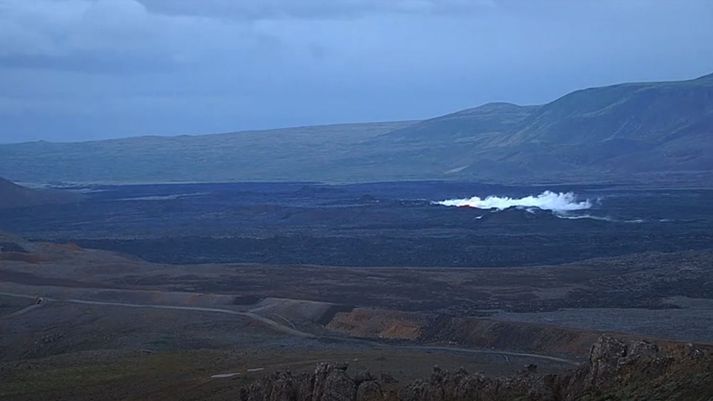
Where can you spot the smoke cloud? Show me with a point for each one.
(556, 202)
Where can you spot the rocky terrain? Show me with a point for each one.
(615, 370)
(371, 224)
(159, 331)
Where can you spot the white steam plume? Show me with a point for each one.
(556, 202)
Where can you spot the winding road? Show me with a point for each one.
(283, 328)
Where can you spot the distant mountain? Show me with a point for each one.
(14, 196)
(280, 154)
(657, 133)
(629, 132)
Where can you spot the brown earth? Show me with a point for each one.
(379, 323)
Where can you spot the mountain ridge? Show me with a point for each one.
(645, 132)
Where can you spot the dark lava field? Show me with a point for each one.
(378, 224)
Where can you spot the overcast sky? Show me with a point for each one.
(91, 69)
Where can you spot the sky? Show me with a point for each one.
(74, 70)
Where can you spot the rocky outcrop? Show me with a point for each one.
(327, 383)
(331, 383)
(462, 386)
(638, 367)
(616, 368)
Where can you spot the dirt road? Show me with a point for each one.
(286, 329)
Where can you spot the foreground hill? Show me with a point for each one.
(81, 324)
(14, 196)
(660, 132)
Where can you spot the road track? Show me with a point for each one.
(289, 330)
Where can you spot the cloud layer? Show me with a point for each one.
(88, 69)
(313, 9)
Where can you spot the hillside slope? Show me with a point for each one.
(13, 196)
(658, 132)
(279, 154)
(629, 132)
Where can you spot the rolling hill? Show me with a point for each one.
(651, 133)
(281, 154)
(616, 133)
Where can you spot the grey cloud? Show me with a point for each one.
(81, 69)
(312, 9)
(115, 36)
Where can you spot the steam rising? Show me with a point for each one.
(556, 202)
